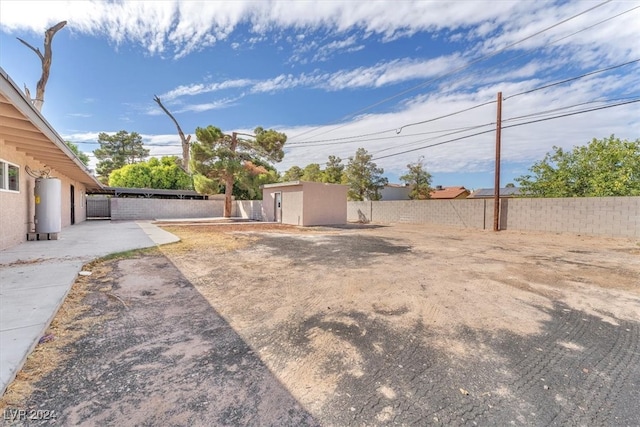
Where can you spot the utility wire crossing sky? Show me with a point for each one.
(400, 79)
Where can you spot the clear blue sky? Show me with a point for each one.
(326, 71)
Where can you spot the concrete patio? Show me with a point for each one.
(36, 276)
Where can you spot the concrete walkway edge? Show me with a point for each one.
(35, 278)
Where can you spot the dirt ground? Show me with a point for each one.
(250, 324)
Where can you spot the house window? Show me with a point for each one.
(9, 176)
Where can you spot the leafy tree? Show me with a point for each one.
(419, 179)
(165, 173)
(312, 172)
(204, 185)
(333, 173)
(225, 159)
(122, 148)
(79, 154)
(294, 173)
(254, 175)
(364, 177)
(604, 167)
(137, 175)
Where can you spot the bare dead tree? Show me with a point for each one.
(46, 64)
(185, 140)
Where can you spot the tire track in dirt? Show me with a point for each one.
(493, 339)
(571, 392)
(606, 375)
(402, 379)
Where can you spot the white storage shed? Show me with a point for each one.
(305, 203)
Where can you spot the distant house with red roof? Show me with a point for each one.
(441, 192)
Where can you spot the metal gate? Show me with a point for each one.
(98, 208)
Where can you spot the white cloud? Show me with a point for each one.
(348, 45)
(476, 154)
(181, 27)
(199, 88)
(317, 31)
(81, 137)
(381, 74)
(523, 144)
(613, 40)
(216, 105)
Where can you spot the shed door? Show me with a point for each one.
(277, 208)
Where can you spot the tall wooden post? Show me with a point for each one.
(496, 186)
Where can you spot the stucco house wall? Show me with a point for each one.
(17, 209)
(14, 206)
(27, 139)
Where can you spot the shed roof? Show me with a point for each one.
(296, 183)
(282, 184)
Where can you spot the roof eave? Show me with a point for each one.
(24, 106)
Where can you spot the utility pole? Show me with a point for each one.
(496, 186)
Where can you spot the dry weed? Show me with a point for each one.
(70, 324)
(198, 237)
(220, 237)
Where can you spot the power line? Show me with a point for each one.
(452, 131)
(343, 138)
(454, 71)
(385, 137)
(507, 127)
(409, 144)
(445, 116)
(555, 110)
(573, 113)
(482, 104)
(434, 145)
(602, 70)
(150, 144)
(397, 130)
(513, 58)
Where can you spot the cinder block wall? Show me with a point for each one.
(248, 209)
(600, 216)
(603, 216)
(460, 213)
(359, 211)
(138, 208)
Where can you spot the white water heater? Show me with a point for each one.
(48, 198)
